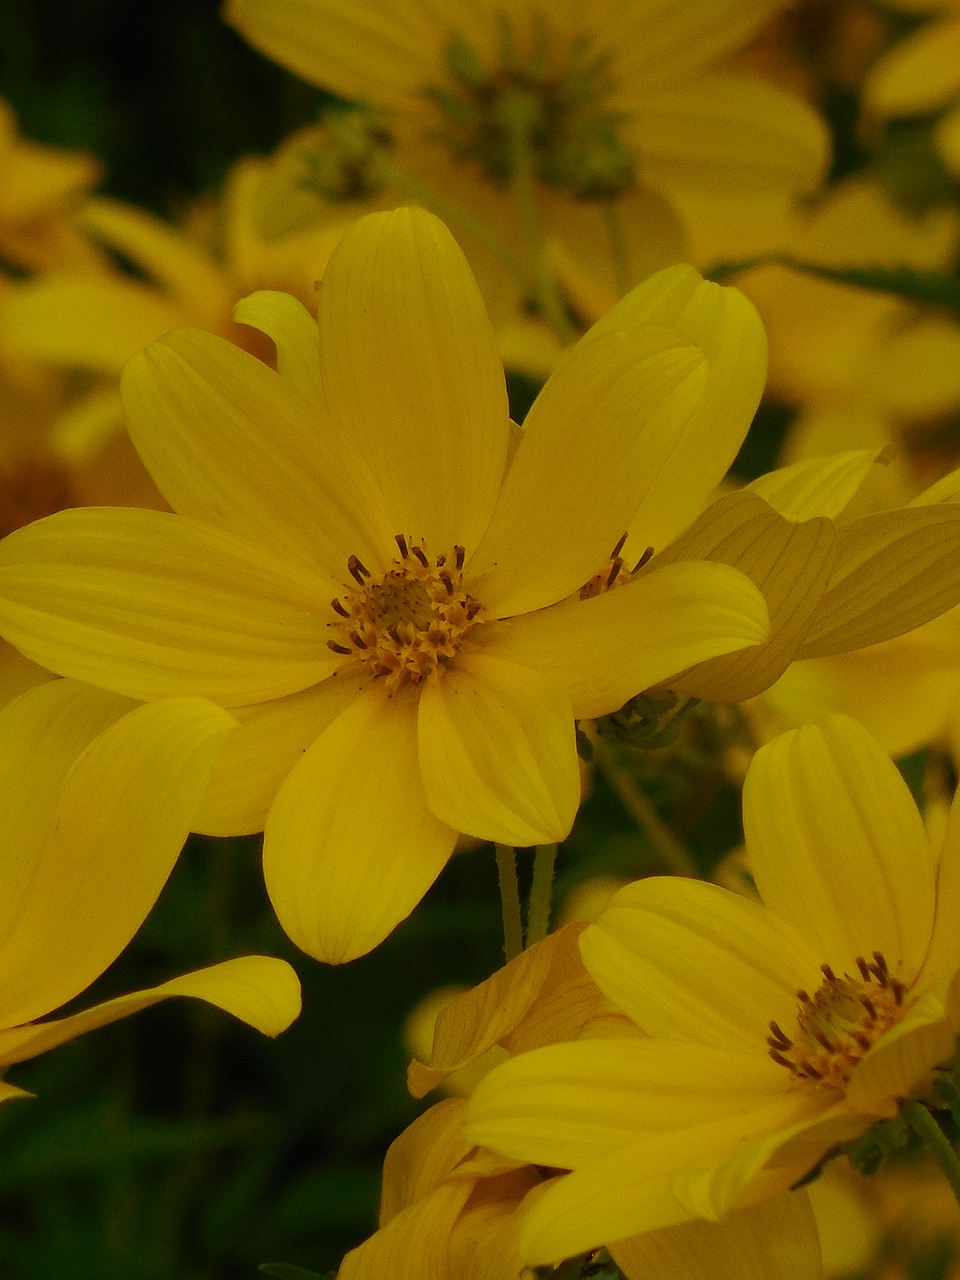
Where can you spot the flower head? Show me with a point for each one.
(391, 611)
(776, 1031)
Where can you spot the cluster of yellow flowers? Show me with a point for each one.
(277, 560)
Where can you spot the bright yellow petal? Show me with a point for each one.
(259, 990)
(691, 961)
(605, 650)
(776, 1238)
(102, 844)
(350, 846)
(424, 1154)
(567, 1104)
(730, 134)
(293, 331)
(87, 322)
(837, 846)
(917, 75)
(165, 254)
(816, 486)
(790, 563)
(229, 441)
(895, 570)
(154, 605)
(411, 371)
(498, 752)
(415, 1243)
(259, 754)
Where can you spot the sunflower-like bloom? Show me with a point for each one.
(391, 613)
(453, 1210)
(97, 796)
(624, 105)
(777, 1030)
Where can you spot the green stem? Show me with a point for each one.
(412, 189)
(515, 114)
(541, 892)
(672, 853)
(509, 901)
(934, 1139)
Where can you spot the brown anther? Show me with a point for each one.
(828, 973)
(780, 1059)
(898, 990)
(447, 581)
(864, 968)
(647, 555)
(358, 640)
(803, 997)
(357, 570)
(619, 547)
(339, 648)
(869, 1006)
(394, 634)
(862, 1040)
(615, 567)
(401, 542)
(421, 555)
(337, 607)
(459, 555)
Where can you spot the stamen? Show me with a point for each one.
(357, 570)
(647, 555)
(337, 607)
(339, 648)
(421, 555)
(459, 555)
(401, 542)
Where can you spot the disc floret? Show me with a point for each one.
(410, 621)
(565, 95)
(839, 1023)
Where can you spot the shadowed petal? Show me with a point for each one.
(498, 752)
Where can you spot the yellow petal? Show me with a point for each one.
(565, 1105)
(259, 990)
(154, 605)
(350, 846)
(229, 441)
(498, 752)
(790, 563)
(411, 371)
(164, 253)
(101, 843)
(917, 75)
(472, 1023)
(415, 1243)
(424, 1155)
(354, 47)
(692, 961)
(293, 330)
(87, 322)
(259, 754)
(776, 1238)
(729, 134)
(816, 486)
(895, 570)
(605, 650)
(837, 846)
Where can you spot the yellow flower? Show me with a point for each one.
(39, 187)
(624, 107)
(776, 1030)
(354, 572)
(453, 1210)
(97, 796)
(922, 74)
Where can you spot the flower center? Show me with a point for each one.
(839, 1023)
(562, 91)
(341, 156)
(29, 491)
(411, 620)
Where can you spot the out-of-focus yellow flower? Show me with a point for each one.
(39, 188)
(396, 620)
(97, 796)
(621, 111)
(453, 1210)
(743, 1085)
(922, 74)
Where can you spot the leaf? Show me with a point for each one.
(932, 288)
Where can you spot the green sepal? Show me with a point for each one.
(649, 720)
(886, 1138)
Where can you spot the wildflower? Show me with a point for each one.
(97, 796)
(452, 1209)
(352, 572)
(776, 1031)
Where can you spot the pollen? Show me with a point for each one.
(839, 1023)
(408, 623)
